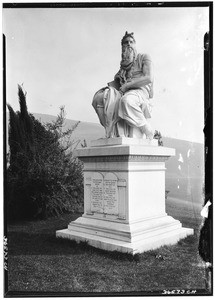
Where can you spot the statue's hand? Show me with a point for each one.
(124, 88)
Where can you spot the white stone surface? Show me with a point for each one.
(128, 238)
(123, 141)
(134, 148)
(124, 198)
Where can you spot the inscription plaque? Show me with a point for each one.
(97, 193)
(110, 194)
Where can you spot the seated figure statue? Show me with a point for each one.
(123, 107)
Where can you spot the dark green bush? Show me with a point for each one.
(43, 178)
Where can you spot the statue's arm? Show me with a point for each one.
(143, 80)
(115, 83)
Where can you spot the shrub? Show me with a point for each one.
(43, 178)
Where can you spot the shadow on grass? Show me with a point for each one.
(46, 244)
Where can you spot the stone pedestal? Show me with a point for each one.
(124, 197)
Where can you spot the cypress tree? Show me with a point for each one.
(43, 178)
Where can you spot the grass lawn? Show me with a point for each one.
(39, 263)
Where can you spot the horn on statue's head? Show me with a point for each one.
(128, 35)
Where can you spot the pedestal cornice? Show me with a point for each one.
(125, 152)
(124, 158)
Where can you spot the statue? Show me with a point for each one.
(123, 107)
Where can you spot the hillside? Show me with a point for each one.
(185, 171)
(85, 130)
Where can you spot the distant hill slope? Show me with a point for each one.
(85, 130)
(185, 171)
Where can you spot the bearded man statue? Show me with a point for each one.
(124, 107)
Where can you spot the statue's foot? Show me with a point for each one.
(148, 131)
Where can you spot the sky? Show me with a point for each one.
(62, 56)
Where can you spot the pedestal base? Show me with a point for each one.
(128, 238)
(124, 197)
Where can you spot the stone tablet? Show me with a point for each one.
(97, 193)
(111, 194)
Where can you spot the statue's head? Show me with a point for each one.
(129, 51)
(128, 38)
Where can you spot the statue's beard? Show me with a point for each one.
(128, 56)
